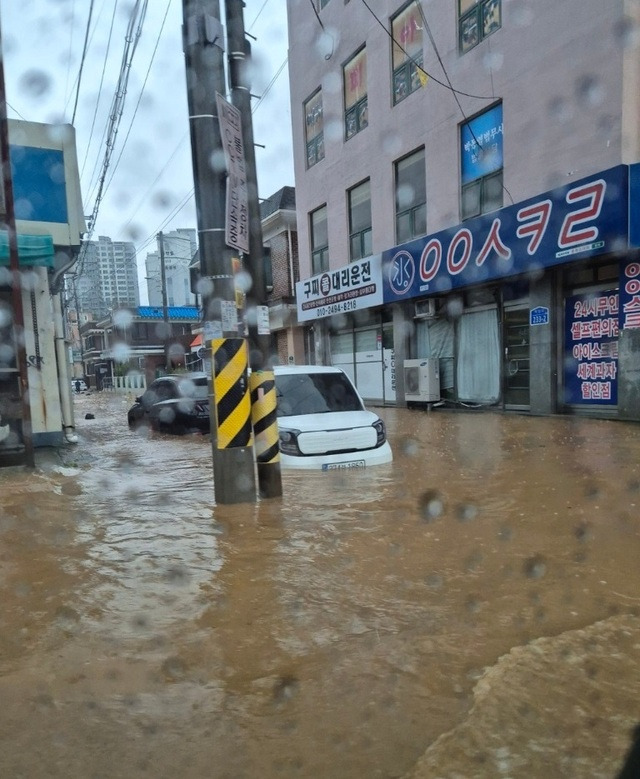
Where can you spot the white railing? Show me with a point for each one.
(130, 383)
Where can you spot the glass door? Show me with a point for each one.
(515, 335)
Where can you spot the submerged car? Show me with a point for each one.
(323, 423)
(173, 404)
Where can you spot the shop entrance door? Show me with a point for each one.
(515, 337)
(374, 364)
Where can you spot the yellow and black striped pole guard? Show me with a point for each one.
(263, 416)
(231, 393)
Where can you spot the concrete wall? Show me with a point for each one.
(557, 67)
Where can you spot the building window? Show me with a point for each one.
(411, 197)
(407, 58)
(481, 163)
(355, 94)
(476, 20)
(360, 221)
(314, 129)
(319, 241)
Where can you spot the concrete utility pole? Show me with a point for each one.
(267, 446)
(165, 309)
(233, 464)
(239, 61)
(16, 276)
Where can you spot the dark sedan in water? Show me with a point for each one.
(173, 404)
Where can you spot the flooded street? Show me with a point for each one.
(470, 610)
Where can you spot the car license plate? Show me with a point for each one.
(350, 464)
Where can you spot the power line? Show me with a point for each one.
(134, 31)
(412, 59)
(104, 68)
(144, 84)
(455, 95)
(257, 16)
(82, 59)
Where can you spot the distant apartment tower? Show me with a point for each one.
(106, 278)
(179, 248)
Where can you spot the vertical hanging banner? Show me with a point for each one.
(237, 217)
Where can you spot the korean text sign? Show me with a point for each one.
(352, 287)
(591, 348)
(237, 212)
(580, 220)
(481, 145)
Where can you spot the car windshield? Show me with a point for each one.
(194, 388)
(315, 393)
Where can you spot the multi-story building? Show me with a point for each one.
(466, 185)
(280, 239)
(105, 278)
(179, 249)
(136, 345)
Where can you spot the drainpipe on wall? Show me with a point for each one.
(64, 380)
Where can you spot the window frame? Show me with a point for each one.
(314, 145)
(416, 207)
(364, 235)
(319, 253)
(477, 12)
(356, 111)
(486, 201)
(405, 79)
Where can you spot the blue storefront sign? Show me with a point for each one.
(481, 145)
(574, 222)
(591, 329)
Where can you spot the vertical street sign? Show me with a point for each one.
(237, 221)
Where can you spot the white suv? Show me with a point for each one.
(323, 423)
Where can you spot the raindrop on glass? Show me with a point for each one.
(431, 505)
(35, 82)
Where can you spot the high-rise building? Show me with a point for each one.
(105, 278)
(179, 248)
(466, 179)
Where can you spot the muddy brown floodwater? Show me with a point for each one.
(471, 610)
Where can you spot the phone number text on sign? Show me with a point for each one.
(336, 308)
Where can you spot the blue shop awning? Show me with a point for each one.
(32, 249)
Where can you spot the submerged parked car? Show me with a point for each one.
(323, 423)
(173, 404)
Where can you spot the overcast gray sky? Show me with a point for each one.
(150, 176)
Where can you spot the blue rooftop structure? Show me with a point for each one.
(173, 312)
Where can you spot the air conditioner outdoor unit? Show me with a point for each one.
(425, 308)
(422, 380)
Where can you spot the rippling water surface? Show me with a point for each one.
(471, 609)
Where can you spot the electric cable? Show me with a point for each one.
(82, 60)
(455, 93)
(134, 31)
(104, 69)
(256, 17)
(144, 84)
(420, 67)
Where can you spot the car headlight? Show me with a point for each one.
(381, 434)
(289, 442)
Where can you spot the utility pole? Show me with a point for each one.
(16, 276)
(264, 409)
(165, 309)
(233, 464)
